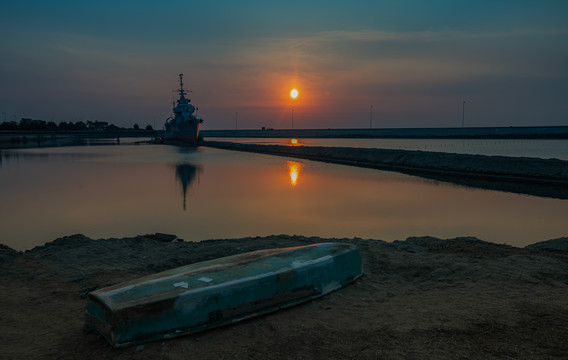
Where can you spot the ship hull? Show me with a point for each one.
(221, 291)
(186, 133)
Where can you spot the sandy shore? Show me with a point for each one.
(423, 298)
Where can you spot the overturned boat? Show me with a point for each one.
(217, 292)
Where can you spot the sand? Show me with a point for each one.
(422, 298)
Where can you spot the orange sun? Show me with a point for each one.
(294, 93)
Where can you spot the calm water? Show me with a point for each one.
(531, 148)
(127, 190)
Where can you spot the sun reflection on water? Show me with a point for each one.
(294, 169)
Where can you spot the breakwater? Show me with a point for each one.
(541, 177)
(526, 132)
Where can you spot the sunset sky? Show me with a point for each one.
(414, 61)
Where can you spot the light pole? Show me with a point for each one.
(292, 118)
(463, 113)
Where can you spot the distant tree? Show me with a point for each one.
(136, 127)
(97, 125)
(149, 127)
(9, 125)
(25, 124)
(79, 125)
(51, 126)
(39, 125)
(42, 125)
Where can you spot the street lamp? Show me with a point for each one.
(463, 113)
(292, 118)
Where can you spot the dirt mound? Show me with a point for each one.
(422, 298)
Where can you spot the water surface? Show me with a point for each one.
(206, 193)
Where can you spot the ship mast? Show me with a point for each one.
(181, 91)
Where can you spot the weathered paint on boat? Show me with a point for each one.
(213, 293)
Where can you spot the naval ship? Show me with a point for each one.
(184, 126)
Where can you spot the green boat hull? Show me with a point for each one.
(217, 292)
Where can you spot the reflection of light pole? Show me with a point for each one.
(371, 118)
(292, 118)
(463, 113)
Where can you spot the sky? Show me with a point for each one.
(355, 64)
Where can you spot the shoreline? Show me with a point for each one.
(422, 297)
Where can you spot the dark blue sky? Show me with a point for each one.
(414, 61)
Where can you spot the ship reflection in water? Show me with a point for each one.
(245, 194)
(186, 174)
(294, 169)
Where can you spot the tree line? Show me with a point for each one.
(42, 125)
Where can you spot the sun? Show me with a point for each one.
(294, 93)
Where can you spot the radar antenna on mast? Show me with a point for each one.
(181, 91)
